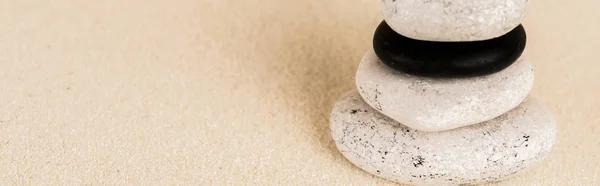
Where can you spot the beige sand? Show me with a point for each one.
(235, 92)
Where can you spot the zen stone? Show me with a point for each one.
(448, 59)
(437, 104)
(487, 152)
(454, 20)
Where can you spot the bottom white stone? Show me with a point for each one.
(486, 152)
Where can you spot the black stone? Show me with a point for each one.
(448, 59)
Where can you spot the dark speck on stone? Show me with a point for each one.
(418, 161)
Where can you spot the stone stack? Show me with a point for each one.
(443, 97)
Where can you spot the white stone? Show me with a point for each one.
(436, 104)
(453, 20)
(487, 152)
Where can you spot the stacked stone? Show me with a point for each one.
(443, 97)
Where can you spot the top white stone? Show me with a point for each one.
(453, 20)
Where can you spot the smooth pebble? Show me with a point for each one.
(487, 152)
(437, 104)
(454, 20)
(448, 59)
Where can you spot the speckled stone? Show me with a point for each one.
(454, 20)
(488, 152)
(448, 59)
(437, 104)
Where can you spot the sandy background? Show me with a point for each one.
(235, 92)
